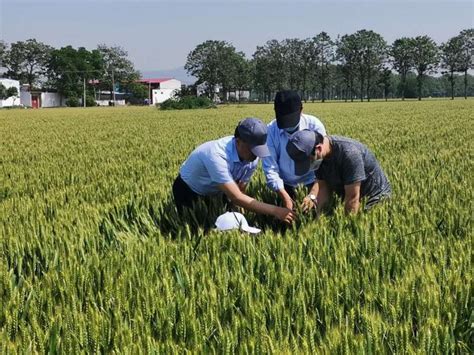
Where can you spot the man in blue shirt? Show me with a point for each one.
(279, 167)
(225, 166)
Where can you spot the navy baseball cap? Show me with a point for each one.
(287, 108)
(254, 132)
(300, 147)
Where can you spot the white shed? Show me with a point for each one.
(161, 89)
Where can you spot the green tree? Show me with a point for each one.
(294, 63)
(324, 55)
(27, 61)
(243, 79)
(69, 68)
(118, 69)
(349, 56)
(215, 63)
(3, 92)
(3, 51)
(466, 60)
(228, 71)
(269, 67)
(451, 59)
(425, 59)
(385, 80)
(369, 53)
(6, 93)
(401, 53)
(137, 92)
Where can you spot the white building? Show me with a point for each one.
(40, 99)
(161, 89)
(13, 100)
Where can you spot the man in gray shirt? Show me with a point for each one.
(343, 165)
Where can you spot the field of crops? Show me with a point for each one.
(92, 258)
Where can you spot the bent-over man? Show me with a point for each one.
(342, 165)
(225, 166)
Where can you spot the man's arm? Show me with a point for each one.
(352, 197)
(285, 197)
(272, 170)
(321, 191)
(238, 198)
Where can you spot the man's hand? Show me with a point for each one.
(238, 198)
(242, 186)
(284, 214)
(307, 204)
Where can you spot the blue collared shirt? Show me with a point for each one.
(279, 168)
(214, 163)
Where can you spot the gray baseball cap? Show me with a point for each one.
(300, 146)
(254, 132)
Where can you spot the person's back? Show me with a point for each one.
(351, 161)
(203, 175)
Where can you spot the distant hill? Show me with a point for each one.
(177, 73)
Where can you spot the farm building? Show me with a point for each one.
(13, 100)
(40, 99)
(161, 89)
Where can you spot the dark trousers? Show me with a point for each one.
(184, 197)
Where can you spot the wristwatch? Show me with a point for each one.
(313, 199)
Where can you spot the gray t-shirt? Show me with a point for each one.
(351, 162)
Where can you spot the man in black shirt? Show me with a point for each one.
(342, 165)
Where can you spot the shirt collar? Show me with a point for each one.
(233, 152)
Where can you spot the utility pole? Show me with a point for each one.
(113, 86)
(84, 99)
(149, 93)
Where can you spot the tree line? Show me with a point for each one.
(71, 71)
(354, 66)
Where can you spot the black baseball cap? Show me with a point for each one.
(254, 132)
(287, 108)
(300, 147)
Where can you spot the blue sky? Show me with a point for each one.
(159, 34)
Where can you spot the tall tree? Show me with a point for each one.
(118, 68)
(294, 65)
(213, 63)
(401, 53)
(231, 62)
(69, 68)
(269, 67)
(27, 60)
(244, 71)
(348, 54)
(385, 80)
(3, 51)
(368, 52)
(425, 59)
(374, 52)
(451, 59)
(466, 61)
(324, 55)
(3, 92)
